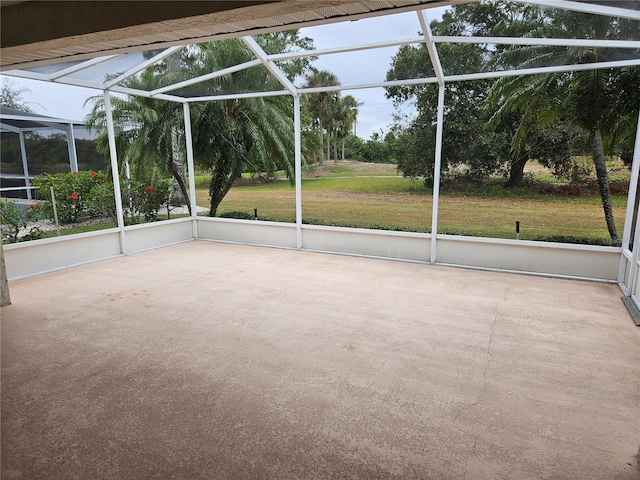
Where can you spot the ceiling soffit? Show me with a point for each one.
(19, 50)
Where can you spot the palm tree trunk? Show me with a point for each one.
(342, 148)
(603, 183)
(177, 167)
(5, 297)
(335, 145)
(328, 144)
(320, 134)
(177, 177)
(222, 178)
(217, 194)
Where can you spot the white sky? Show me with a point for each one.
(375, 115)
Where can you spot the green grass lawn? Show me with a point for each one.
(394, 202)
(383, 199)
(67, 230)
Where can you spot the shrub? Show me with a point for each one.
(144, 199)
(237, 215)
(140, 200)
(619, 187)
(90, 194)
(577, 240)
(101, 201)
(72, 191)
(15, 218)
(370, 226)
(562, 190)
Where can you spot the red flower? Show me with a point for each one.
(75, 173)
(149, 189)
(74, 195)
(32, 205)
(93, 174)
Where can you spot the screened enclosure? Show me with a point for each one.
(191, 87)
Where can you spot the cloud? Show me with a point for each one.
(366, 66)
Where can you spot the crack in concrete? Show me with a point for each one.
(484, 388)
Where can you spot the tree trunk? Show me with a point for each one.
(343, 148)
(516, 171)
(179, 196)
(221, 182)
(328, 145)
(321, 163)
(178, 173)
(5, 297)
(603, 183)
(335, 146)
(218, 194)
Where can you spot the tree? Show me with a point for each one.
(146, 131)
(589, 99)
(229, 136)
(466, 141)
(12, 96)
(322, 104)
(348, 116)
(552, 147)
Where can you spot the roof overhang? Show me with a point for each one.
(68, 31)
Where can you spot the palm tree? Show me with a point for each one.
(146, 132)
(230, 135)
(227, 135)
(586, 98)
(321, 104)
(350, 110)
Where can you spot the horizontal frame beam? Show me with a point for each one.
(585, 7)
(353, 48)
(560, 42)
(81, 66)
(534, 71)
(204, 78)
(138, 68)
(236, 96)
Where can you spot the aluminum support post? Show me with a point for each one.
(630, 218)
(298, 168)
(114, 170)
(71, 144)
(25, 165)
(190, 167)
(436, 173)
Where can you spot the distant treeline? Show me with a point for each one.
(48, 154)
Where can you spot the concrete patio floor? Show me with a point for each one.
(215, 361)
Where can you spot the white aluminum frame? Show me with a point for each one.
(25, 165)
(440, 78)
(629, 259)
(190, 167)
(114, 170)
(46, 123)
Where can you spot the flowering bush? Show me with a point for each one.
(101, 201)
(72, 190)
(15, 218)
(90, 194)
(140, 201)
